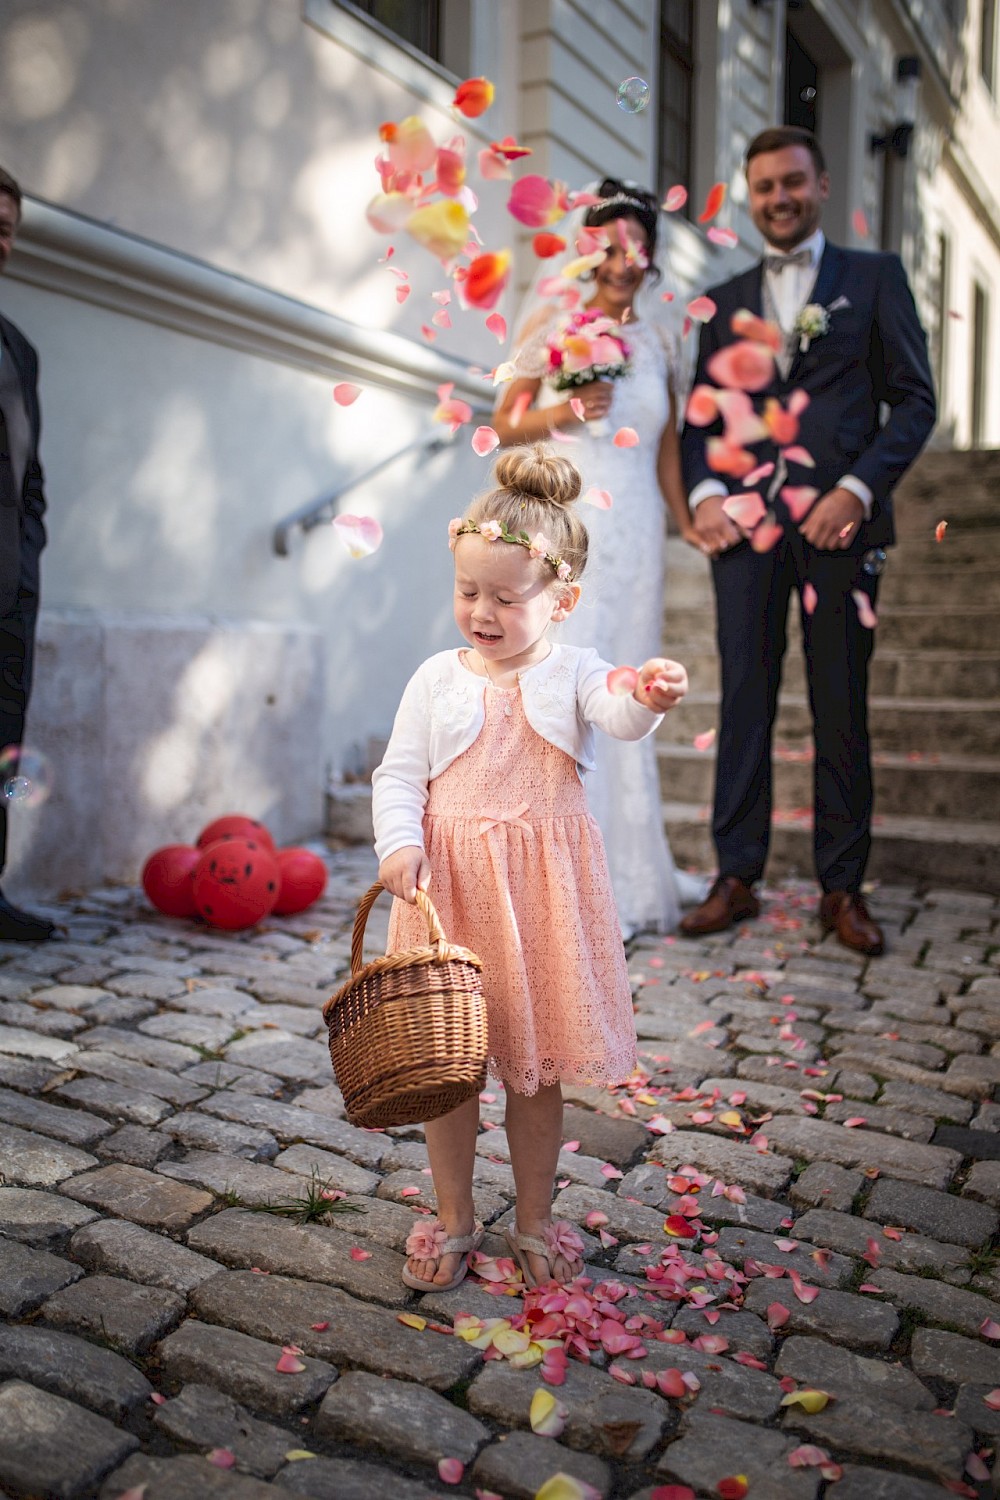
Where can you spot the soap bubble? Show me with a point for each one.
(633, 95)
(25, 776)
(873, 563)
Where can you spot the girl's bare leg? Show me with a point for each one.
(451, 1146)
(534, 1130)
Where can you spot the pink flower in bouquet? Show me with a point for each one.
(588, 347)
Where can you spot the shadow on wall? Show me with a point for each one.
(154, 726)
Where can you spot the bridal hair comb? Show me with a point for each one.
(495, 531)
(625, 199)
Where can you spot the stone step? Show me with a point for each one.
(940, 851)
(902, 584)
(904, 674)
(940, 786)
(902, 725)
(907, 627)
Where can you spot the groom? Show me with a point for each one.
(863, 366)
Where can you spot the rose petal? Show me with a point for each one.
(745, 509)
(705, 740)
(728, 238)
(546, 1415)
(221, 1458)
(992, 1398)
(939, 531)
(473, 98)
(319, 1327)
(359, 1254)
(497, 324)
(859, 223)
(808, 599)
(702, 309)
(409, 1192)
(733, 1487)
(411, 1320)
(675, 199)
(361, 535)
(626, 437)
(808, 1456)
(484, 440)
(450, 1470)
(713, 202)
(346, 394)
(854, 1122)
(599, 499)
(799, 499)
(810, 1400)
(989, 1329)
(866, 614)
(289, 1365)
(622, 683)
(777, 1315)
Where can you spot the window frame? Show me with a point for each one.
(685, 55)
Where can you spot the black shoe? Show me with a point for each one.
(21, 927)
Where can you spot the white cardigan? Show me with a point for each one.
(443, 710)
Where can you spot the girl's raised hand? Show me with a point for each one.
(404, 871)
(662, 684)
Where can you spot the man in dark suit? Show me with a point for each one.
(22, 537)
(853, 345)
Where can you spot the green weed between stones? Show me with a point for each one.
(313, 1207)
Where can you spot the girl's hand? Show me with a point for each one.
(403, 872)
(662, 684)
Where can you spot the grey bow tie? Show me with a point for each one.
(795, 258)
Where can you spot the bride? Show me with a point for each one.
(621, 613)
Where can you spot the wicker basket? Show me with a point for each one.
(408, 1030)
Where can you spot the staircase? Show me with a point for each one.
(934, 695)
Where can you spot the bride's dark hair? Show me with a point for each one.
(624, 200)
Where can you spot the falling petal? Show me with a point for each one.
(346, 394)
(744, 365)
(429, 333)
(388, 212)
(939, 531)
(361, 535)
(728, 238)
(746, 509)
(534, 202)
(702, 309)
(866, 614)
(799, 499)
(441, 227)
(547, 245)
(221, 1458)
(450, 1470)
(622, 683)
(626, 437)
(766, 535)
(472, 99)
(714, 201)
(518, 407)
(703, 406)
(675, 199)
(402, 292)
(808, 598)
(441, 319)
(748, 325)
(801, 456)
(484, 440)
(859, 222)
(497, 324)
(485, 279)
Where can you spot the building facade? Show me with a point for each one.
(197, 272)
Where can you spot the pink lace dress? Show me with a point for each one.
(519, 876)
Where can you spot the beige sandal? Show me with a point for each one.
(556, 1239)
(431, 1241)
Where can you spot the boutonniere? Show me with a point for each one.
(812, 322)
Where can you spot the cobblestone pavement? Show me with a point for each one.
(800, 1194)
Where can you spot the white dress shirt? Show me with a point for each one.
(790, 289)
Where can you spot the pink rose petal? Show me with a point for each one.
(702, 309)
(675, 199)
(450, 1470)
(626, 437)
(346, 394)
(484, 440)
(745, 509)
(866, 614)
(705, 740)
(288, 1364)
(358, 1254)
(989, 1328)
(854, 1122)
(809, 598)
(409, 1192)
(361, 535)
(497, 324)
(728, 238)
(599, 499)
(622, 683)
(799, 499)
(221, 1458)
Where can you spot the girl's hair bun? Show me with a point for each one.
(539, 474)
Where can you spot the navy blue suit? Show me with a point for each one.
(22, 537)
(874, 351)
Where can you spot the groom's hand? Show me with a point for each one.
(713, 528)
(834, 520)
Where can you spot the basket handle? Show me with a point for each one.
(435, 932)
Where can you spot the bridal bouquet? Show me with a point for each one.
(589, 347)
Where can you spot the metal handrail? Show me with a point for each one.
(318, 512)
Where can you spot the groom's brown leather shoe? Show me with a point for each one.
(845, 913)
(727, 902)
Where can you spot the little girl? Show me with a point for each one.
(481, 787)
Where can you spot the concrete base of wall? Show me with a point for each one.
(152, 726)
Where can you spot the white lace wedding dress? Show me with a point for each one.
(620, 613)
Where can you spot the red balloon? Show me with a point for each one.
(236, 883)
(303, 880)
(167, 879)
(235, 826)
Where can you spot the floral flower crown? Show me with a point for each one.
(495, 531)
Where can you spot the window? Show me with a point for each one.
(801, 85)
(988, 43)
(417, 22)
(942, 298)
(980, 318)
(676, 92)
